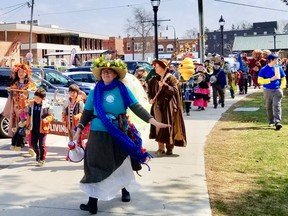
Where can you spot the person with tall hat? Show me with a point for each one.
(15, 108)
(109, 149)
(166, 107)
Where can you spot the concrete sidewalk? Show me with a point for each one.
(176, 185)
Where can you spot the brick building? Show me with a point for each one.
(47, 40)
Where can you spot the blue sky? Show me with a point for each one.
(108, 17)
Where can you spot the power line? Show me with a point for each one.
(252, 6)
(93, 9)
(14, 13)
(21, 6)
(13, 5)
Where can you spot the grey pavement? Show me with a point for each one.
(176, 185)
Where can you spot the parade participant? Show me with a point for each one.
(38, 123)
(202, 89)
(187, 94)
(232, 82)
(16, 103)
(263, 60)
(166, 107)
(107, 167)
(141, 75)
(272, 77)
(218, 82)
(244, 70)
(72, 111)
(174, 72)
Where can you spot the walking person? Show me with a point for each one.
(218, 82)
(107, 165)
(202, 89)
(15, 108)
(273, 79)
(167, 108)
(38, 124)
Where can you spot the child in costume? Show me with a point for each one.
(202, 89)
(72, 112)
(38, 123)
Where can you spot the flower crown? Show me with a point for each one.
(102, 62)
(19, 66)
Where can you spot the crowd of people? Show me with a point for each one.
(114, 144)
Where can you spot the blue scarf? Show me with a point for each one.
(126, 144)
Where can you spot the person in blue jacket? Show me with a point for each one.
(272, 77)
(218, 82)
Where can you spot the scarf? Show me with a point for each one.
(126, 144)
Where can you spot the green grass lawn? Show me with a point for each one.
(246, 162)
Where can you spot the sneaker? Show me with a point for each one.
(278, 126)
(31, 152)
(12, 148)
(41, 163)
(271, 124)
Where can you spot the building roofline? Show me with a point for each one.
(47, 30)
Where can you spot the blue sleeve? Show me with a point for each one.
(89, 102)
(133, 98)
(260, 74)
(282, 73)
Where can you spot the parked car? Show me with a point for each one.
(78, 69)
(58, 79)
(82, 77)
(133, 65)
(56, 96)
(87, 63)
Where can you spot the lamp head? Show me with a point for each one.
(155, 3)
(221, 21)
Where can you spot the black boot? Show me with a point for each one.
(91, 206)
(125, 195)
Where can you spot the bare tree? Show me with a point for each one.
(191, 33)
(140, 25)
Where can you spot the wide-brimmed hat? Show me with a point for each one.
(116, 65)
(162, 63)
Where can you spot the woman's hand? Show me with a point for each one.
(152, 101)
(158, 124)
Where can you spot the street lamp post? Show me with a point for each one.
(175, 40)
(155, 4)
(274, 38)
(222, 23)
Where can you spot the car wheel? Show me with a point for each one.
(4, 127)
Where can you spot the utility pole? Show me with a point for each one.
(201, 27)
(31, 25)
